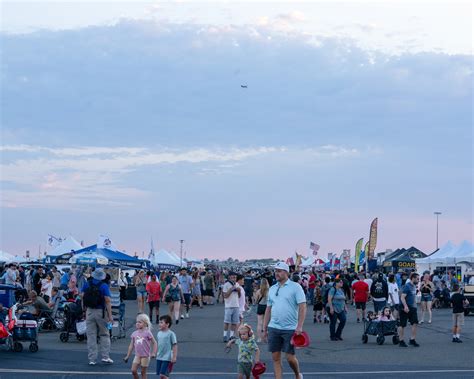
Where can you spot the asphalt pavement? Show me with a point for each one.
(201, 352)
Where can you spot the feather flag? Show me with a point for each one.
(372, 239)
(299, 259)
(358, 249)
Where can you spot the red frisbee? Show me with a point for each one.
(258, 369)
(300, 340)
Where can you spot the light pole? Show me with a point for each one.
(437, 223)
(181, 252)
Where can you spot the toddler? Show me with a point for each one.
(386, 315)
(247, 349)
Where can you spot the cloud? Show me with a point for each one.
(292, 17)
(53, 177)
(101, 98)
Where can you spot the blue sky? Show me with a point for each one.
(131, 121)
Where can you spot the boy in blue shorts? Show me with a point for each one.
(167, 348)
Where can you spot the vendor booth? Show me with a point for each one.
(449, 258)
(164, 260)
(402, 259)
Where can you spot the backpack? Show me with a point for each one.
(93, 298)
(377, 289)
(324, 292)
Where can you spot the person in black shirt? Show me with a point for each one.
(37, 277)
(459, 302)
(248, 286)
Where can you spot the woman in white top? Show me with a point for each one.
(47, 287)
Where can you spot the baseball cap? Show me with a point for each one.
(282, 266)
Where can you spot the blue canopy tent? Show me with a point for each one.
(114, 256)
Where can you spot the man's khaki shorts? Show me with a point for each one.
(458, 319)
(142, 361)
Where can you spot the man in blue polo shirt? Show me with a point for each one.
(284, 316)
(95, 296)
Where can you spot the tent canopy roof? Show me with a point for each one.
(409, 254)
(450, 252)
(113, 255)
(65, 247)
(166, 258)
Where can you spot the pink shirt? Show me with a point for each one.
(142, 342)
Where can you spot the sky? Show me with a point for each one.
(129, 119)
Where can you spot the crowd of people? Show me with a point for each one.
(279, 296)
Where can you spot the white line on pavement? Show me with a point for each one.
(19, 371)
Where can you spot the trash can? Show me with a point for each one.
(7, 295)
(131, 293)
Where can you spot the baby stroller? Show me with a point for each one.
(73, 314)
(380, 329)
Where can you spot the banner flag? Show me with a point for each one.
(358, 249)
(346, 259)
(315, 247)
(372, 239)
(54, 241)
(104, 242)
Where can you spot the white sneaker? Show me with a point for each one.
(182, 316)
(187, 315)
(92, 363)
(107, 360)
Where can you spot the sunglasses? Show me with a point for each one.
(278, 290)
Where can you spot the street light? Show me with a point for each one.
(181, 253)
(437, 234)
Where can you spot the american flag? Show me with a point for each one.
(315, 247)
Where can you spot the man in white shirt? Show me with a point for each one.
(11, 275)
(232, 292)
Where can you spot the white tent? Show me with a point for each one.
(65, 247)
(164, 257)
(8, 258)
(5, 257)
(465, 252)
(192, 259)
(176, 256)
(449, 255)
(306, 262)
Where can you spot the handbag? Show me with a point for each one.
(81, 327)
(418, 298)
